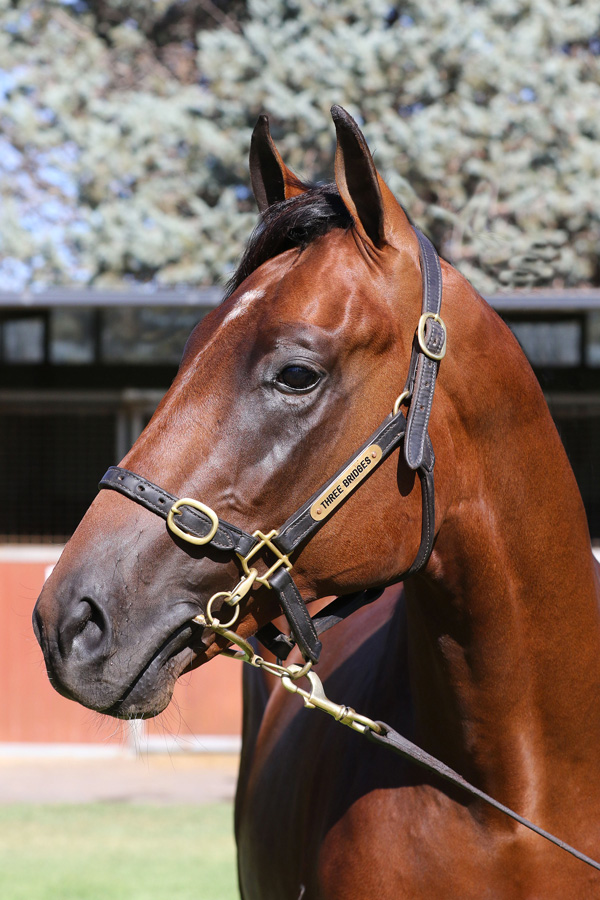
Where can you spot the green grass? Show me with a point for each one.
(111, 851)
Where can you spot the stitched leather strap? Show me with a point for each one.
(297, 614)
(193, 521)
(427, 513)
(423, 370)
(335, 612)
(300, 526)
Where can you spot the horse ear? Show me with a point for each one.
(271, 179)
(377, 214)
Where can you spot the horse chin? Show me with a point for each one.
(152, 690)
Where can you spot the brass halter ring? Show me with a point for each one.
(400, 400)
(215, 623)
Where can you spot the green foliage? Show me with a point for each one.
(113, 851)
(121, 160)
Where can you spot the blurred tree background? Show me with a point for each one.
(125, 127)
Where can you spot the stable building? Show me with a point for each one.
(81, 373)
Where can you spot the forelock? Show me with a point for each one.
(291, 223)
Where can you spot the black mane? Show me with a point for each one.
(291, 223)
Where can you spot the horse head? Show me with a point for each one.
(277, 387)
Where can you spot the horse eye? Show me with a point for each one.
(298, 378)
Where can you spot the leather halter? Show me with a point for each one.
(198, 524)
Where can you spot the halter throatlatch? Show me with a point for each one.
(196, 523)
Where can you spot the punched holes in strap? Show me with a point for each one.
(193, 521)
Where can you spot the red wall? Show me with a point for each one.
(207, 702)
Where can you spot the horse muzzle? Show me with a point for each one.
(119, 668)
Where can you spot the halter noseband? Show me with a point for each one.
(196, 523)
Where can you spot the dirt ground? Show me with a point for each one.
(150, 778)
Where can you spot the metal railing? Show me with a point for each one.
(542, 300)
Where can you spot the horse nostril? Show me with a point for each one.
(86, 629)
(38, 624)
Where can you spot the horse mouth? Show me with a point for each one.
(151, 690)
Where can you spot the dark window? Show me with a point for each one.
(592, 357)
(51, 465)
(23, 338)
(578, 423)
(146, 335)
(553, 344)
(73, 336)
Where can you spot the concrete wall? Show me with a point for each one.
(205, 714)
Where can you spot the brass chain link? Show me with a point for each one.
(315, 698)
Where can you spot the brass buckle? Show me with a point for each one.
(421, 336)
(265, 540)
(195, 504)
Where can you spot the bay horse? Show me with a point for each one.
(488, 658)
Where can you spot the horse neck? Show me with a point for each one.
(504, 629)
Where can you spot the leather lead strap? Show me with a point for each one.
(405, 748)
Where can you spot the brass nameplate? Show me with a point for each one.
(350, 478)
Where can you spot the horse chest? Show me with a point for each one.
(324, 815)
(392, 843)
(322, 812)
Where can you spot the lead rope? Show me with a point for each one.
(378, 732)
